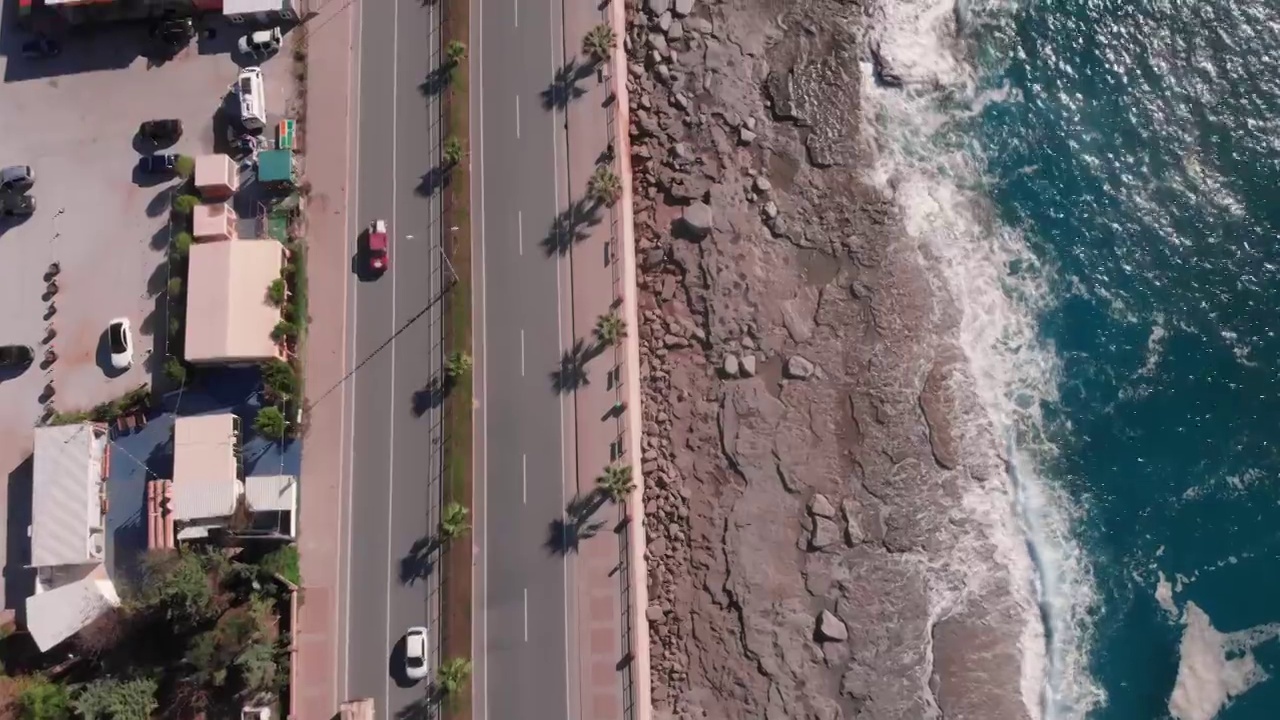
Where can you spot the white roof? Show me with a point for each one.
(271, 493)
(204, 466)
(66, 509)
(57, 614)
(243, 7)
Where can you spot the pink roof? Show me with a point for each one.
(229, 318)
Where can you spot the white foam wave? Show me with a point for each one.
(1215, 667)
(933, 171)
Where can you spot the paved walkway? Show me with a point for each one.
(329, 78)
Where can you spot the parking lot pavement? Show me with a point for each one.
(73, 119)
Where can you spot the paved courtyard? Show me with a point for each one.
(73, 120)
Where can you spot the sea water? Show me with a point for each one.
(1098, 185)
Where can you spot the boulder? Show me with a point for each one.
(654, 613)
(831, 628)
(853, 532)
(657, 7)
(697, 220)
(730, 365)
(798, 368)
(676, 31)
(748, 365)
(825, 534)
(820, 506)
(664, 21)
(745, 136)
(763, 185)
(683, 7)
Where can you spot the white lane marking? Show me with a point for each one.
(352, 223)
(515, 11)
(391, 432)
(520, 230)
(524, 478)
(555, 146)
(484, 339)
(517, 117)
(521, 352)
(526, 614)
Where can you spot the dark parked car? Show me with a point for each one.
(17, 205)
(175, 33)
(40, 48)
(161, 132)
(15, 356)
(17, 179)
(158, 164)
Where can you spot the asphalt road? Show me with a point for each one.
(523, 631)
(394, 332)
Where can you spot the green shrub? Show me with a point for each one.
(185, 167)
(276, 292)
(284, 330)
(452, 151)
(175, 370)
(283, 562)
(44, 699)
(181, 244)
(184, 204)
(270, 422)
(175, 287)
(279, 379)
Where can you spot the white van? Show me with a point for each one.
(253, 99)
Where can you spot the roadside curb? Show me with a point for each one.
(637, 566)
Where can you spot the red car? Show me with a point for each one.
(379, 247)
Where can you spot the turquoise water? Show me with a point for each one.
(1137, 155)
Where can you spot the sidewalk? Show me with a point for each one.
(611, 576)
(329, 38)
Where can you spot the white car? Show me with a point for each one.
(417, 663)
(260, 44)
(120, 340)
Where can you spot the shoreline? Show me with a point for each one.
(824, 491)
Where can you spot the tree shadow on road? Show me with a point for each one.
(418, 563)
(572, 373)
(565, 86)
(564, 534)
(571, 226)
(430, 397)
(433, 181)
(424, 708)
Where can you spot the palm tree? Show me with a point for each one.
(604, 186)
(599, 43)
(453, 522)
(610, 328)
(457, 365)
(452, 151)
(270, 422)
(616, 482)
(452, 675)
(455, 51)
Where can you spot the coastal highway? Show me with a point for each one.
(522, 626)
(392, 434)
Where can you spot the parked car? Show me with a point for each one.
(158, 164)
(120, 342)
(161, 132)
(16, 356)
(417, 664)
(261, 44)
(16, 205)
(175, 32)
(17, 179)
(379, 247)
(39, 48)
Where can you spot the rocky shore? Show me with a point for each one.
(828, 517)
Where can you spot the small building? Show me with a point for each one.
(207, 472)
(229, 316)
(213, 222)
(276, 169)
(68, 526)
(216, 177)
(260, 11)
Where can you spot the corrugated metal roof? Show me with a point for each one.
(276, 493)
(57, 614)
(66, 517)
(204, 467)
(229, 318)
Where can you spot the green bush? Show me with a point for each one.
(185, 167)
(175, 287)
(43, 699)
(175, 327)
(175, 371)
(284, 330)
(452, 151)
(283, 562)
(184, 204)
(279, 379)
(113, 699)
(270, 422)
(181, 244)
(455, 51)
(276, 292)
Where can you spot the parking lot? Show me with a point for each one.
(73, 119)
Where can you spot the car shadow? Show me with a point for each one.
(103, 358)
(395, 666)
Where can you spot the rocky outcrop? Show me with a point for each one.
(806, 470)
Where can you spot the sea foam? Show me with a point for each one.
(1215, 667)
(927, 161)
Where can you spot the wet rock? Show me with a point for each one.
(825, 533)
(730, 365)
(830, 628)
(820, 506)
(748, 365)
(798, 368)
(697, 219)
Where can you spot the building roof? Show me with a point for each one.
(229, 317)
(204, 466)
(57, 614)
(213, 220)
(216, 171)
(66, 509)
(275, 165)
(271, 493)
(244, 7)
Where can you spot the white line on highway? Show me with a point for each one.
(524, 478)
(391, 433)
(526, 614)
(484, 339)
(521, 352)
(517, 117)
(520, 230)
(515, 11)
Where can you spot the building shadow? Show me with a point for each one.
(105, 48)
(19, 578)
(571, 226)
(566, 86)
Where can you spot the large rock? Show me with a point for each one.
(820, 506)
(748, 365)
(657, 7)
(730, 365)
(825, 534)
(697, 221)
(798, 368)
(682, 7)
(830, 628)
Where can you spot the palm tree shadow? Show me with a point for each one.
(571, 227)
(432, 181)
(572, 373)
(430, 397)
(437, 80)
(418, 563)
(423, 708)
(564, 87)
